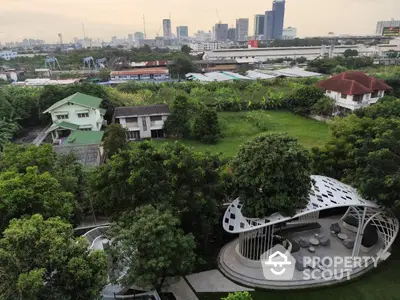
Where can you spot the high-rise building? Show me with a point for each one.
(130, 39)
(386, 24)
(259, 26)
(269, 25)
(278, 7)
(220, 32)
(182, 32)
(167, 29)
(232, 33)
(138, 36)
(289, 33)
(202, 36)
(242, 29)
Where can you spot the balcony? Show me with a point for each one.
(159, 123)
(132, 125)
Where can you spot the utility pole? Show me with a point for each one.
(84, 35)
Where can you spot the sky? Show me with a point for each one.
(44, 19)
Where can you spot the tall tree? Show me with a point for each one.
(302, 99)
(206, 126)
(152, 246)
(177, 123)
(272, 174)
(238, 296)
(43, 260)
(114, 139)
(181, 66)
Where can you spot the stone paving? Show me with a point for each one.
(213, 281)
(179, 287)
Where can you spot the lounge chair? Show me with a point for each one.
(349, 243)
(324, 241)
(335, 228)
(304, 243)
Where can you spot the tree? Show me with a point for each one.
(364, 152)
(43, 260)
(105, 74)
(191, 184)
(238, 296)
(323, 107)
(303, 98)
(114, 139)
(272, 174)
(206, 127)
(177, 123)
(30, 193)
(152, 246)
(350, 53)
(7, 131)
(186, 49)
(181, 66)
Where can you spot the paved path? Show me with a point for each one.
(40, 138)
(179, 287)
(213, 281)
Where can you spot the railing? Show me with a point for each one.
(156, 123)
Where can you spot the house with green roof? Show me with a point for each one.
(78, 112)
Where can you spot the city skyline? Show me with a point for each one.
(32, 19)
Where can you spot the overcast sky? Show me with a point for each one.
(44, 19)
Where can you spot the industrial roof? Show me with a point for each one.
(198, 76)
(325, 193)
(80, 137)
(294, 72)
(217, 76)
(258, 75)
(236, 75)
(141, 71)
(353, 83)
(88, 155)
(132, 111)
(46, 81)
(78, 99)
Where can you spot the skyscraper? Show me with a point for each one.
(130, 39)
(259, 26)
(182, 32)
(167, 29)
(232, 33)
(220, 32)
(274, 21)
(269, 25)
(278, 7)
(242, 29)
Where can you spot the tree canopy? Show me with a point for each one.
(152, 246)
(177, 123)
(114, 139)
(304, 98)
(206, 126)
(272, 174)
(238, 296)
(42, 259)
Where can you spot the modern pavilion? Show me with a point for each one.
(337, 222)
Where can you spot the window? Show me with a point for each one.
(62, 117)
(83, 115)
(133, 135)
(343, 96)
(328, 92)
(375, 94)
(157, 134)
(358, 98)
(69, 103)
(86, 129)
(131, 120)
(144, 124)
(156, 118)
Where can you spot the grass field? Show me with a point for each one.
(237, 129)
(380, 284)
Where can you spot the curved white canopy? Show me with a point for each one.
(325, 193)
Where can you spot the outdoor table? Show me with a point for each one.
(314, 241)
(311, 249)
(342, 236)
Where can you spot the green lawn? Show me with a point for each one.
(236, 130)
(380, 284)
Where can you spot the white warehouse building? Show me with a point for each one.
(7, 55)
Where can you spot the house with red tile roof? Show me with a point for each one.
(354, 89)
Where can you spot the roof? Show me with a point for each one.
(353, 83)
(131, 111)
(215, 62)
(145, 71)
(326, 193)
(236, 75)
(64, 125)
(294, 72)
(198, 76)
(258, 75)
(222, 68)
(80, 137)
(218, 76)
(86, 154)
(78, 99)
(103, 111)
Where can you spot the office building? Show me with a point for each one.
(242, 29)
(259, 26)
(130, 39)
(381, 25)
(289, 33)
(202, 36)
(167, 29)
(182, 32)
(138, 36)
(269, 25)
(220, 32)
(278, 7)
(232, 33)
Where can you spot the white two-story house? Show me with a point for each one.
(142, 122)
(76, 112)
(354, 89)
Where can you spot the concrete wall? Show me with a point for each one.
(73, 110)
